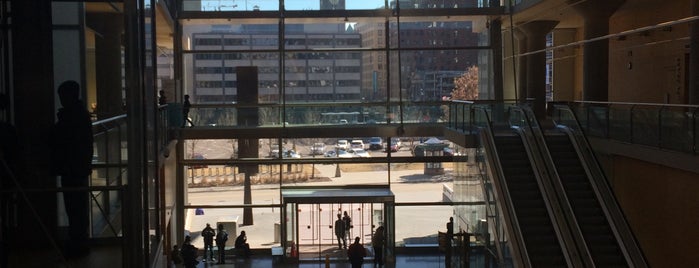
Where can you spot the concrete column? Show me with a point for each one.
(521, 63)
(109, 28)
(33, 94)
(536, 32)
(596, 14)
(694, 57)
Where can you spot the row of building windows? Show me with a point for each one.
(353, 41)
(289, 69)
(275, 56)
(289, 83)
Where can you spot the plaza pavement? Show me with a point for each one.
(418, 225)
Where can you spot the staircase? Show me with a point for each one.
(603, 246)
(542, 244)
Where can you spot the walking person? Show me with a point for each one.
(71, 153)
(340, 232)
(377, 242)
(356, 253)
(221, 238)
(208, 233)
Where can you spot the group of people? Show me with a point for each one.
(356, 251)
(187, 254)
(343, 224)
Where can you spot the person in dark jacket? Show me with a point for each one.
(208, 233)
(189, 253)
(71, 157)
(221, 238)
(356, 253)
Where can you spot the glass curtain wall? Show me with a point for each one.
(328, 62)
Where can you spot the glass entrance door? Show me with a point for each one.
(316, 225)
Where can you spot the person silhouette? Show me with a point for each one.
(185, 112)
(71, 154)
(208, 233)
(340, 231)
(377, 242)
(162, 99)
(221, 238)
(356, 253)
(242, 246)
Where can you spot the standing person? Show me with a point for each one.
(208, 233)
(189, 253)
(340, 232)
(175, 256)
(377, 242)
(162, 100)
(241, 245)
(71, 153)
(356, 253)
(185, 111)
(348, 224)
(450, 236)
(221, 238)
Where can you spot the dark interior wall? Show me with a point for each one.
(660, 204)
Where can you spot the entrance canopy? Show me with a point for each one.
(321, 195)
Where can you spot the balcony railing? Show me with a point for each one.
(664, 126)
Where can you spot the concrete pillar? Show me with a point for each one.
(521, 63)
(536, 32)
(694, 57)
(109, 28)
(34, 112)
(596, 14)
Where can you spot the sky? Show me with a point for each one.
(239, 5)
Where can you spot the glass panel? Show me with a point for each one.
(645, 125)
(676, 128)
(441, 32)
(230, 5)
(619, 124)
(333, 5)
(224, 34)
(445, 4)
(263, 234)
(425, 223)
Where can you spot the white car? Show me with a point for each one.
(342, 145)
(357, 144)
(344, 154)
(360, 153)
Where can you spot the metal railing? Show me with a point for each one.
(664, 126)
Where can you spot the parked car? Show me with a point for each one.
(449, 152)
(357, 144)
(393, 147)
(291, 154)
(344, 154)
(317, 148)
(360, 153)
(198, 156)
(342, 145)
(330, 154)
(375, 143)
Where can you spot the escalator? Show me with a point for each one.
(596, 230)
(532, 215)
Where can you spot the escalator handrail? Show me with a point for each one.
(487, 138)
(603, 190)
(566, 225)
